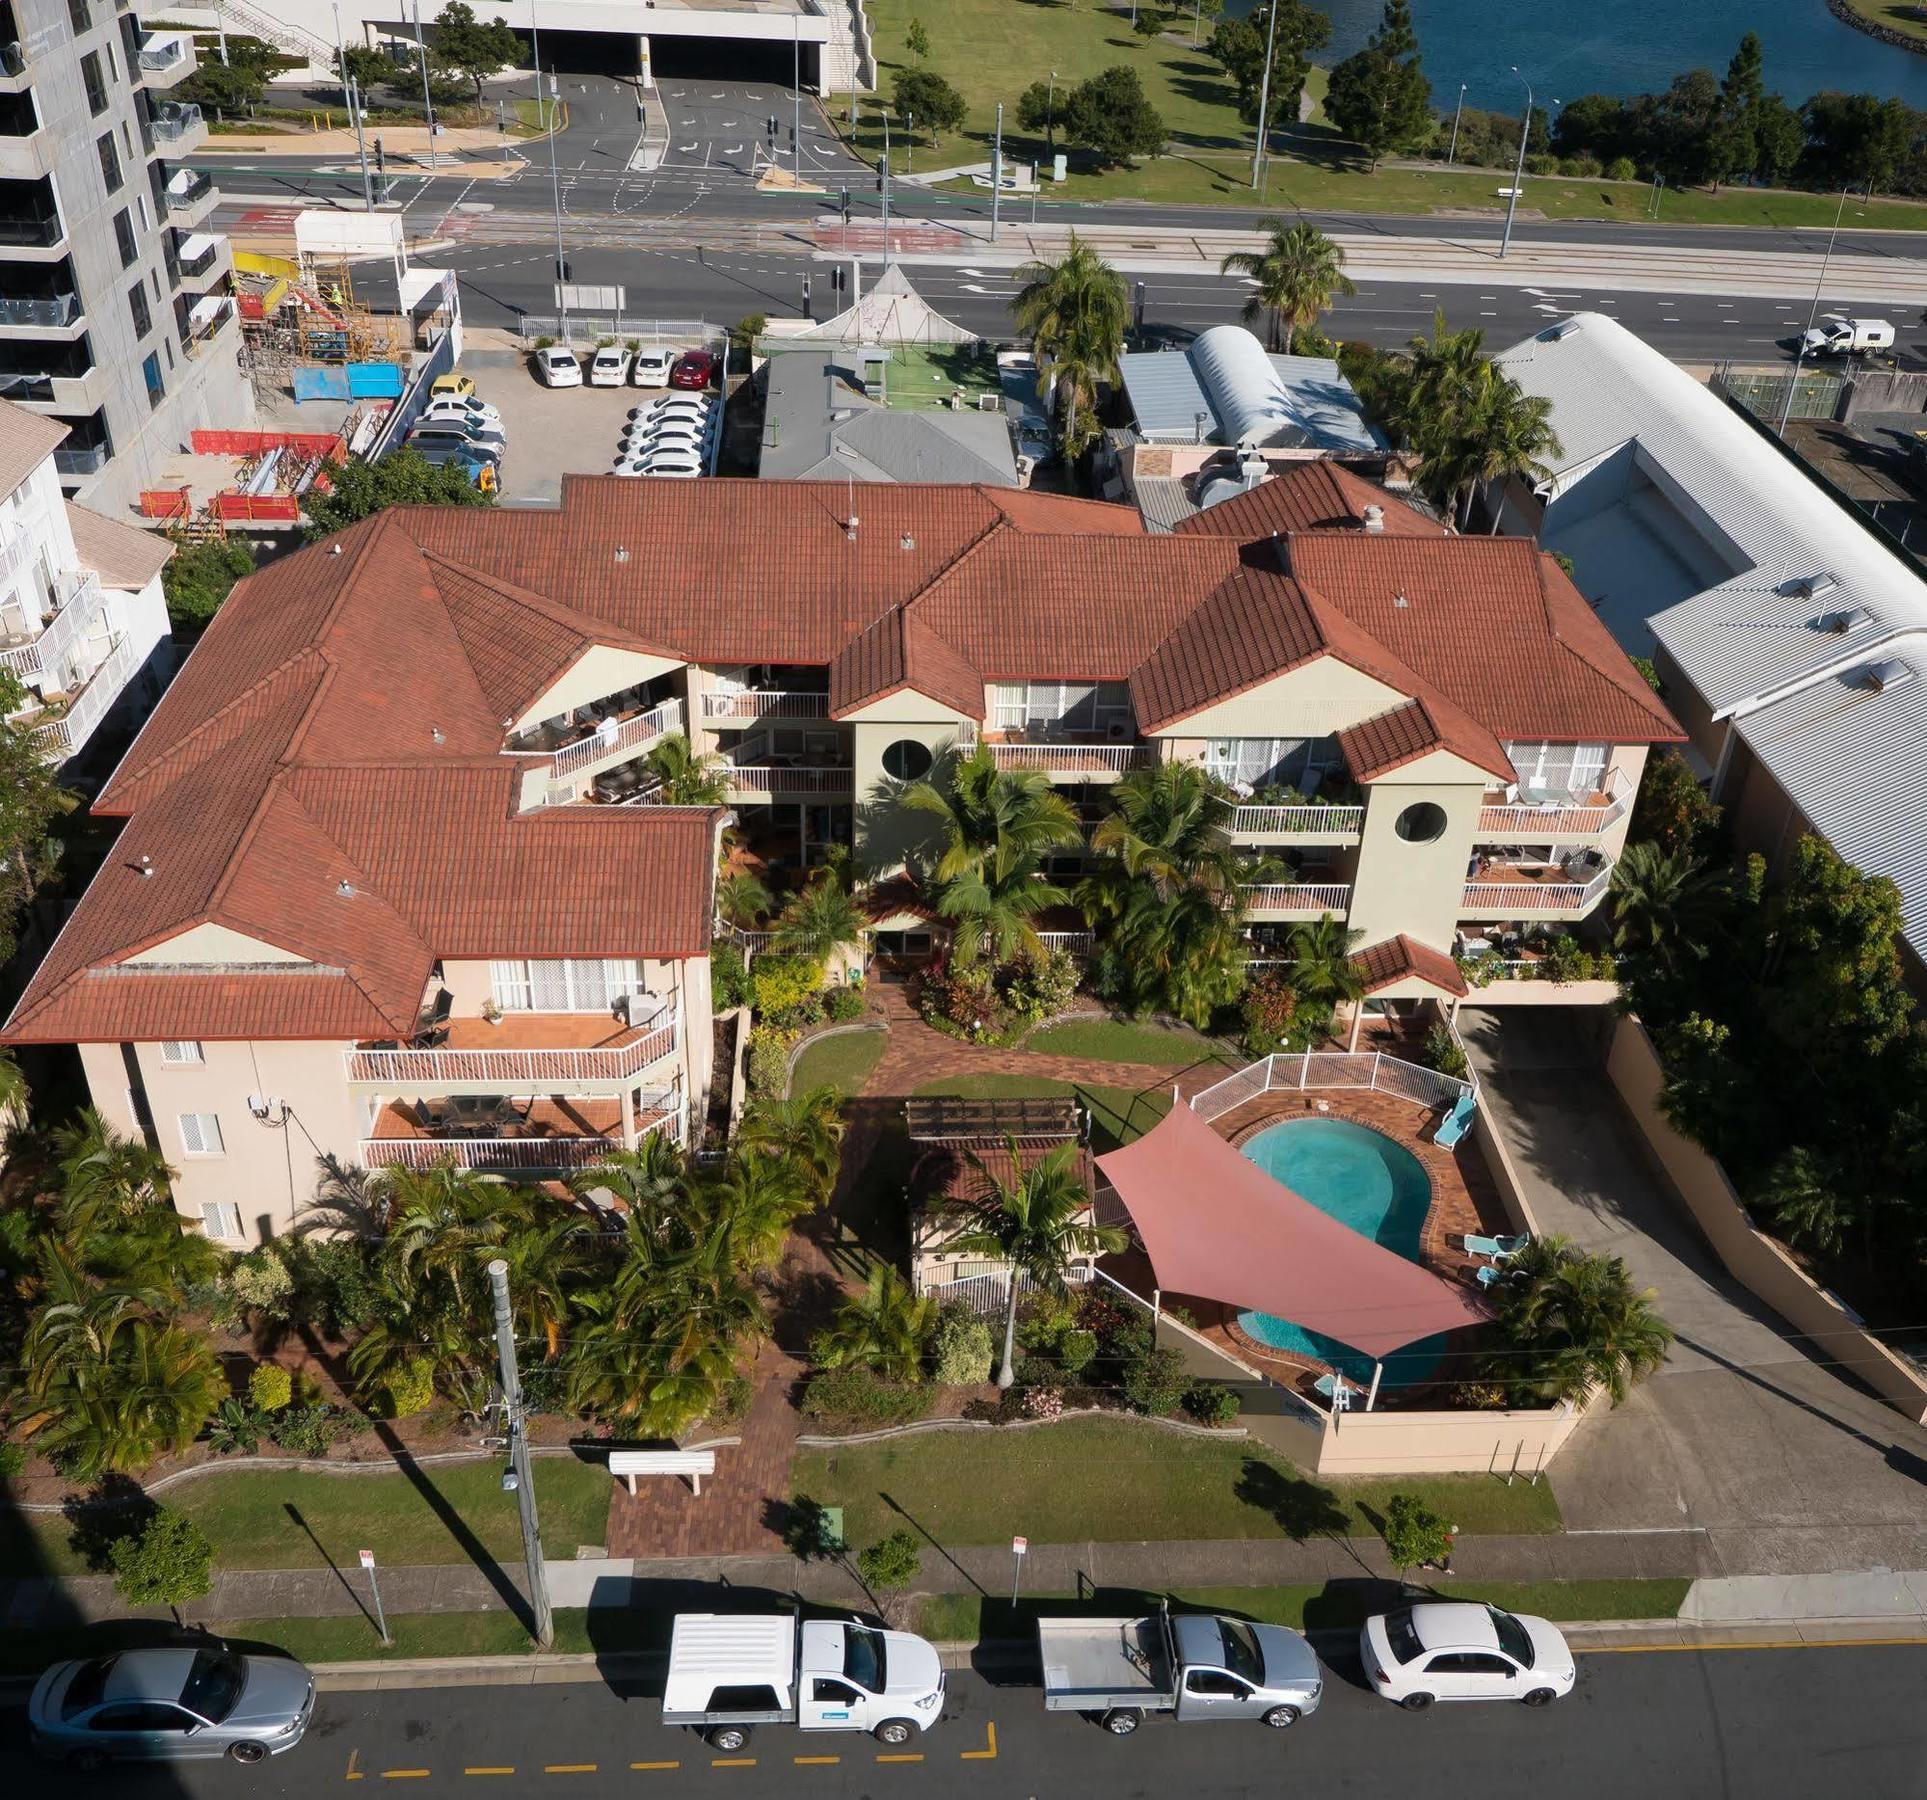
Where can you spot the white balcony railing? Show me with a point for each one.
(765, 703)
(65, 735)
(1515, 899)
(1306, 899)
(487, 1154)
(1530, 819)
(610, 738)
(778, 778)
(1078, 943)
(1294, 821)
(1073, 759)
(81, 606)
(515, 1069)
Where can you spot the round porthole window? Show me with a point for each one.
(1423, 822)
(907, 760)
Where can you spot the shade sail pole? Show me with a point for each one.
(1378, 1369)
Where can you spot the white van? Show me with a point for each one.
(729, 1673)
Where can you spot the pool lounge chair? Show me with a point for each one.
(1457, 1122)
(1498, 1248)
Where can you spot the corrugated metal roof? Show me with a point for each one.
(1769, 624)
(1853, 757)
(1226, 385)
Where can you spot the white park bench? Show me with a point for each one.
(694, 1463)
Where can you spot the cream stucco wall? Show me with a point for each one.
(885, 831)
(1322, 697)
(600, 671)
(1416, 888)
(214, 944)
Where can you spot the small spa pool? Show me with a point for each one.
(1378, 1188)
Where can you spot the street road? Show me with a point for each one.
(1752, 1725)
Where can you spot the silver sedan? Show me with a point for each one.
(170, 1705)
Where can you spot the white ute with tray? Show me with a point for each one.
(729, 1673)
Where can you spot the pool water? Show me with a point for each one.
(1378, 1188)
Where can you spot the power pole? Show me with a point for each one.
(997, 172)
(428, 104)
(498, 1280)
(1264, 92)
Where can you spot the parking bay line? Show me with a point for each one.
(815, 1761)
(732, 1762)
(903, 1756)
(404, 1774)
(490, 1769)
(989, 1752)
(569, 1768)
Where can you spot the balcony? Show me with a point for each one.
(22, 388)
(587, 745)
(1536, 890)
(789, 781)
(1298, 900)
(1304, 823)
(1065, 759)
(39, 232)
(16, 68)
(180, 126)
(190, 197)
(545, 1051)
(751, 704)
(80, 459)
(66, 733)
(1533, 816)
(201, 260)
(166, 57)
(41, 315)
(52, 650)
(28, 155)
(504, 1136)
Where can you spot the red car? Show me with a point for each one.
(694, 369)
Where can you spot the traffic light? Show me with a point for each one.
(772, 128)
(883, 173)
(562, 269)
(846, 206)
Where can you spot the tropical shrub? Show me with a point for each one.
(1156, 1381)
(1037, 987)
(306, 1430)
(270, 1387)
(236, 1429)
(960, 1348)
(856, 1397)
(1622, 168)
(782, 987)
(1444, 1052)
(885, 1328)
(1265, 1012)
(167, 1563)
(1414, 1533)
(889, 1566)
(1076, 1351)
(1043, 1403)
(767, 1067)
(1573, 1321)
(843, 1005)
(334, 1287)
(261, 1283)
(728, 976)
(13, 1456)
(409, 1389)
(1212, 1402)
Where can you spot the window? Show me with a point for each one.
(124, 237)
(96, 87)
(1299, 763)
(836, 1693)
(139, 1716)
(906, 760)
(109, 163)
(79, 16)
(182, 1051)
(1215, 1682)
(579, 985)
(1559, 770)
(1514, 1639)
(221, 1219)
(1091, 708)
(201, 1134)
(1402, 1636)
(1423, 822)
(745, 1699)
(137, 306)
(863, 1657)
(151, 374)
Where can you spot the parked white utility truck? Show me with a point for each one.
(1837, 336)
(1194, 1666)
(729, 1673)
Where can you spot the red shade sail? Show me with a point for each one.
(1217, 1226)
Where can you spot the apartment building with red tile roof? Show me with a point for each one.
(394, 884)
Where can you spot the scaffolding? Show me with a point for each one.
(294, 315)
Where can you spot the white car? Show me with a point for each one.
(673, 462)
(608, 366)
(474, 412)
(679, 406)
(1459, 1650)
(651, 368)
(662, 434)
(558, 367)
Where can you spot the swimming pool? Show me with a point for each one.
(1378, 1188)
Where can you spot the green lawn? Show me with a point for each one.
(1117, 1040)
(245, 1514)
(843, 1062)
(1114, 1482)
(1896, 15)
(969, 1618)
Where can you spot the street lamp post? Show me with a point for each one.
(428, 104)
(1264, 92)
(1518, 174)
(1813, 312)
(796, 100)
(1452, 155)
(518, 1436)
(997, 171)
(909, 143)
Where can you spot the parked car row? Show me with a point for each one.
(459, 427)
(610, 365)
(672, 436)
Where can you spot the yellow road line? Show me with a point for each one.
(989, 1752)
(489, 1769)
(569, 1768)
(404, 1774)
(815, 1761)
(1781, 1644)
(656, 1765)
(732, 1762)
(353, 1774)
(903, 1756)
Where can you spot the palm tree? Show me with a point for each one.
(884, 1328)
(804, 1132)
(13, 1088)
(149, 1396)
(1322, 970)
(820, 919)
(1033, 1220)
(650, 1183)
(105, 1176)
(1295, 277)
(1575, 1322)
(743, 900)
(1660, 897)
(685, 777)
(754, 1203)
(78, 1323)
(546, 1257)
(350, 1201)
(1075, 312)
(1512, 436)
(1804, 1197)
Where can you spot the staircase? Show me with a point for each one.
(293, 39)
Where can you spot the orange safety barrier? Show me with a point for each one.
(260, 507)
(328, 444)
(166, 503)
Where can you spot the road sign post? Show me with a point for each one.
(1019, 1549)
(374, 1588)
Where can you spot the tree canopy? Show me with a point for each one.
(359, 488)
(1379, 97)
(31, 799)
(1110, 116)
(924, 95)
(467, 47)
(1239, 46)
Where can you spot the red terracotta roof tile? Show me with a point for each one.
(1402, 958)
(1307, 497)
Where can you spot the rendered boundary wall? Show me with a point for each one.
(1753, 1259)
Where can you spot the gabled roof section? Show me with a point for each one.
(1404, 958)
(1255, 625)
(123, 556)
(1309, 496)
(900, 651)
(1415, 728)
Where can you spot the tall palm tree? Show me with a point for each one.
(804, 1132)
(1032, 1219)
(1295, 277)
(743, 900)
(1322, 970)
(547, 1256)
(1575, 1322)
(884, 1328)
(686, 777)
(649, 1183)
(819, 919)
(1660, 898)
(105, 1176)
(1075, 312)
(151, 1394)
(78, 1323)
(1511, 434)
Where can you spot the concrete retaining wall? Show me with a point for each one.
(1753, 1259)
(1411, 1443)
